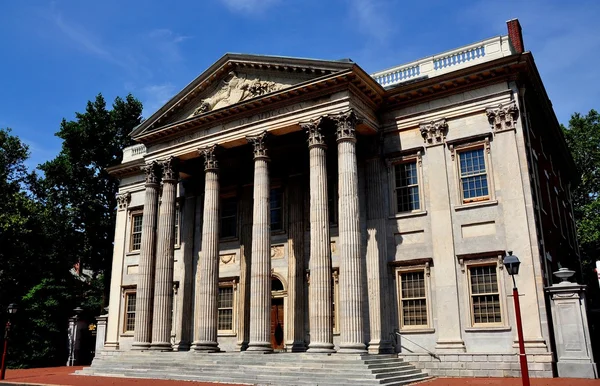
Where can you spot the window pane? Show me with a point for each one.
(130, 312)
(407, 188)
(225, 305)
(472, 162)
(229, 217)
(414, 302)
(136, 232)
(276, 203)
(484, 295)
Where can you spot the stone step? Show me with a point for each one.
(275, 369)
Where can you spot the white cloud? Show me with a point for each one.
(249, 6)
(167, 43)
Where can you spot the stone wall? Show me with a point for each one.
(480, 364)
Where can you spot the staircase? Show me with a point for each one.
(257, 369)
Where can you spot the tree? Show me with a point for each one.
(77, 185)
(583, 140)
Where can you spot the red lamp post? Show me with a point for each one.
(12, 309)
(512, 268)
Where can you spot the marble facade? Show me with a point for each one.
(304, 207)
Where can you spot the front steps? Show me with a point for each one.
(257, 369)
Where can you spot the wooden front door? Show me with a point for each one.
(277, 323)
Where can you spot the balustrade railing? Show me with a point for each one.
(134, 152)
(435, 65)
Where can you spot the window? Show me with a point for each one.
(129, 319)
(485, 295)
(413, 300)
(136, 232)
(332, 200)
(406, 187)
(473, 175)
(225, 305)
(335, 299)
(229, 217)
(177, 225)
(276, 205)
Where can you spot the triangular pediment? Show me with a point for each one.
(237, 78)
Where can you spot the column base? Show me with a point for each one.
(450, 346)
(161, 346)
(352, 348)
(259, 348)
(320, 347)
(140, 346)
(205, 347)
(381, 347)
(112, 346)
(181, 346)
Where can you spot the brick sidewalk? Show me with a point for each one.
(62, 376)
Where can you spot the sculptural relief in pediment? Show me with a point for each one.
(236, 88)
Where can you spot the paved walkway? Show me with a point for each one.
(62, 376)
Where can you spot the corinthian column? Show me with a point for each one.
(206, 299)
(163, 285)
(145, 286)
(260, 276)
(319, 291)
(351, 316)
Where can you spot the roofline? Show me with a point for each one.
(228, 57)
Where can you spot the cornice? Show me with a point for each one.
(127, 169)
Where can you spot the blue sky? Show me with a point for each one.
(56, 55)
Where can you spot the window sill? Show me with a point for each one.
(127, 335)
(488, 329)
(228, 239)
(479, 204)
(408, 214)
(133, 253)
(417, 331)
(226, 333)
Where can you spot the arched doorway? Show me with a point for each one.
(277, 314)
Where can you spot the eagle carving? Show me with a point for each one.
(234, 89)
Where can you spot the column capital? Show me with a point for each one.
(123, 200)
(152, 173)
(315, 133)
(169, 169)
(258, 141)
(503, 117)
(434, 132)
(210, 158)
(345, 125)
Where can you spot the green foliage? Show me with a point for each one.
(53, 220)
(583, 140)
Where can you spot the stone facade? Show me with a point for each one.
(317, 211)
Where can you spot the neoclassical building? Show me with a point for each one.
(283, 204)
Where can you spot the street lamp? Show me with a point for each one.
(71, 361)
(12, 309)
(512, 268)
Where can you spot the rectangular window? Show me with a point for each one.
(276, 204)
(136, 232)
(332, 201)
(225, 305)
(473, 175)
(229, 217)
(177, 225)
(406, 187)
(485, 296)
(413, 300)
(335, 300)
(129, 311)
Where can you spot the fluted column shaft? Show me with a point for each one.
(163, 283)
(260, 277)
(319, 291)
(206, 338)
(145, 286)
(351, 315)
